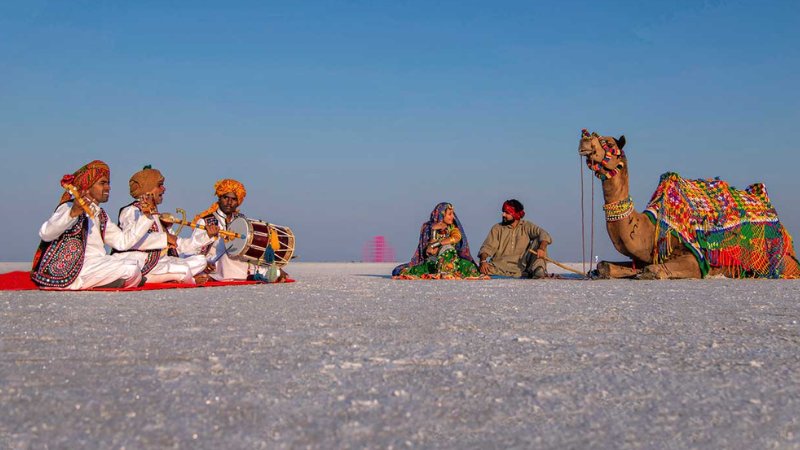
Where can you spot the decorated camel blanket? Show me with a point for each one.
(723, 226)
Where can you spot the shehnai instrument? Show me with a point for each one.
(167, 217)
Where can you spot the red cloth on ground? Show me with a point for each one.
(21, 281)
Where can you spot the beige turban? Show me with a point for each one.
(144, 181)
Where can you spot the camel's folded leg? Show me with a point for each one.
(683, 266)
(606, 269)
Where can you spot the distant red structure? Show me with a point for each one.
(377, 250)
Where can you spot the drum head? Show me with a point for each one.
(238, 245)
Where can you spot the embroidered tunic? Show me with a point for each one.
(97, 267)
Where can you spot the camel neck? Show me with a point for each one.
(617, 188)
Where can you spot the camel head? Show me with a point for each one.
(604, 155)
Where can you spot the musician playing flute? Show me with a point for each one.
(230, 195)
(72, 253)
(165, 257)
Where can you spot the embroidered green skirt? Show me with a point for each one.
(446, 262)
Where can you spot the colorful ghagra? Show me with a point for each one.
(452, 261)
(445, 265)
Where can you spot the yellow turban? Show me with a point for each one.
(144, 181)
(222, 187)
(85, 177)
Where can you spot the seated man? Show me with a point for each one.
(515, 247)
(72, 254)
(162, 262)
(230, 194)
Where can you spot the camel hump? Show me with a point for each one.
(668, 176)
(759, 190)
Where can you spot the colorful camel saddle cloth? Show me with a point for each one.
(722, 226)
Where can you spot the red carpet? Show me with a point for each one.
(21, 281)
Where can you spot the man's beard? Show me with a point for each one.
(504, 221)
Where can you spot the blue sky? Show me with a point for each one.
(347, 120)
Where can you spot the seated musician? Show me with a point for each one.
(165, 257)
(230, 195)
(72, 253)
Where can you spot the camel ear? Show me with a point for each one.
(621, 142)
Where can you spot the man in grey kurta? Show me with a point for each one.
(515, 247)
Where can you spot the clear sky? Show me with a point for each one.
(347, 120)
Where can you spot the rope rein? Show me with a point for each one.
(591, 239)
(583, 220)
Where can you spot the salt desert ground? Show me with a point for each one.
(346, 357)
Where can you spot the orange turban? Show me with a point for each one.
(222, 187)
(144, 181)
(228, 185)
(85, 177)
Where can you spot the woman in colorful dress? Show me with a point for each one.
(442, 251)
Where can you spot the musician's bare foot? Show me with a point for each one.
(200, 279)
(282, 277)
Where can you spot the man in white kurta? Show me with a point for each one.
(178, 259)
(226, 267)
(225, 210)
(182, 268)
(72, 254)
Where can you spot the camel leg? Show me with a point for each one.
(683, 266)
(606, 269)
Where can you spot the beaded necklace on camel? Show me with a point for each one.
(618, 210)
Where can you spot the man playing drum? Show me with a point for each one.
(174, 258)
(222, 213)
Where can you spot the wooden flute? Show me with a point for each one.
(77, 196)
(167, 217)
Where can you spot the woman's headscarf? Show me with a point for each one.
(425, 234)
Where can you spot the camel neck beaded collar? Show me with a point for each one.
(601, 169)
(618, 210)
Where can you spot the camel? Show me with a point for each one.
(634, 234)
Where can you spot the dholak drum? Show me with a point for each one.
(257, 236)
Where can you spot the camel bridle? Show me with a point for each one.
(602, 169)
